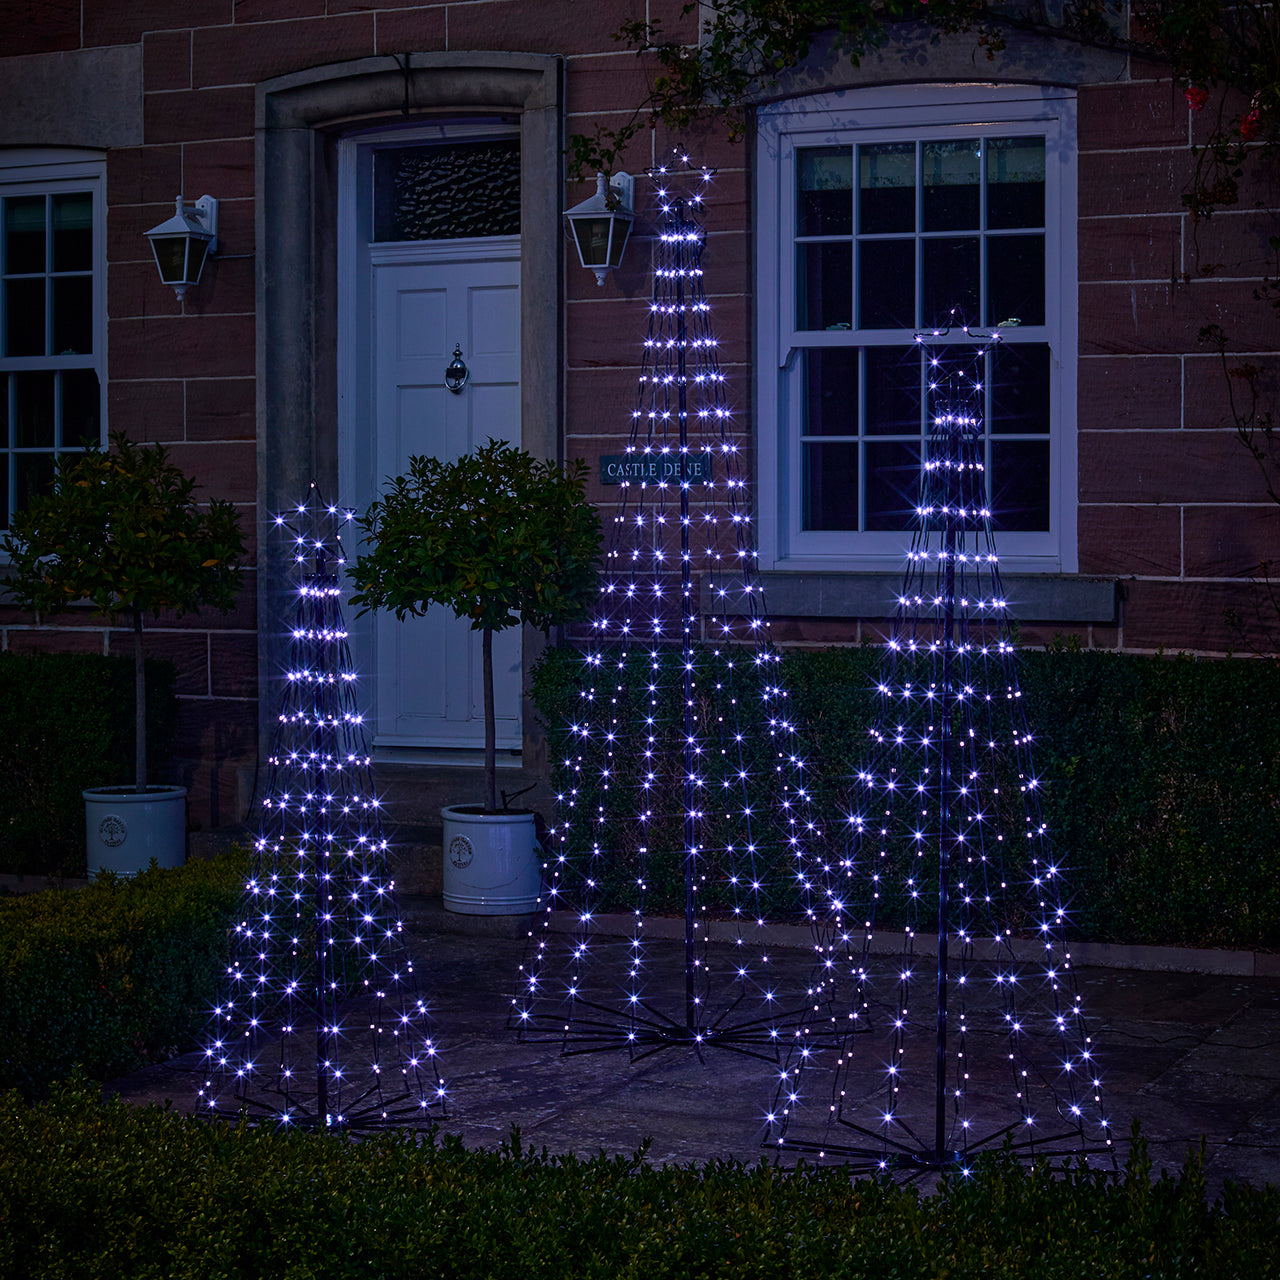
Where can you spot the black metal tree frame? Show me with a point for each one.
(682, 759)
(320, 1023)
(947, 817)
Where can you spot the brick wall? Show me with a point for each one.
(1170, 502)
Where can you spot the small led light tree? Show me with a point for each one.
(974, 1036)
(679, 785)
(319, 1023)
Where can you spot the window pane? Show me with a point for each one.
(831, 393)
(831, 486)
(73, 232)
(893, 391)
(72, 315)
(24, 317)
(1015, 279)
(1015, 182)
(33, 476)
(950, 271)
(24, 234)
(81, 409)
(951, 178)
(447, 190)
(824, 286)
(886, 284)
(1020, 389)
(887, 187)
(1020, 485)
(893, 479)
(33, 410)
(824, 203)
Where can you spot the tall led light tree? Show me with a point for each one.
(974, 1035)
(680, 785)
(319, 1022)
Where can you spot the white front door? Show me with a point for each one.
(429, 691)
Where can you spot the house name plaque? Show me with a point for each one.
(630, 468)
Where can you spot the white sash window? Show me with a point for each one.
(885, 213)
(52, 315)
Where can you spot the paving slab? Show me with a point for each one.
(1190, 1056)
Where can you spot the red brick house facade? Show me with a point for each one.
(314, 346)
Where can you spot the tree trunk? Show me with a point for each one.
(140, 700)
(490, 725)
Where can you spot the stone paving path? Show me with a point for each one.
(1189, 1055)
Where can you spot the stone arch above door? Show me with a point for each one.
(296, 118)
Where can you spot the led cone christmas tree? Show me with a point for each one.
(680, 791)
(319, 1022)
(973, 1035)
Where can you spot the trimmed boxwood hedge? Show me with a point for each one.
(92, 1189)
(1163, 776)
(66, 723)
(112, 976)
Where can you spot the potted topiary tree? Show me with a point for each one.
(121, 530)
(498, 537)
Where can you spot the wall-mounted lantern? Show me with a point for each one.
(601, 224)
(182, 244)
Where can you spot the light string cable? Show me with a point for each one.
(664, 779)
(320, 1022)
(946, 834)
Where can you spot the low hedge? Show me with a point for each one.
(112, 976)
(92, 1189)
(66, 723)
(1163, 794)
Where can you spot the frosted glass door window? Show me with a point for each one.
(447, 190)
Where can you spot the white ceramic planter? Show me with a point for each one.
(492, 862)
(125, 829)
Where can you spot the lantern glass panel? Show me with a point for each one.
(618, 242)
(171, 257)
(592, 236)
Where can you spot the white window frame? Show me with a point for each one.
(902, 113)
(50, 171)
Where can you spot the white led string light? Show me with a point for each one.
(319, 1022)
(973, 1037)
(682, 760)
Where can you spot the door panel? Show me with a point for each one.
(429, 680)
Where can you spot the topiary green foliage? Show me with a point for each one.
(65, 724)
(113, 976)
(122, 530)
(497, 536)
(1163, 781)
(93, 1189)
